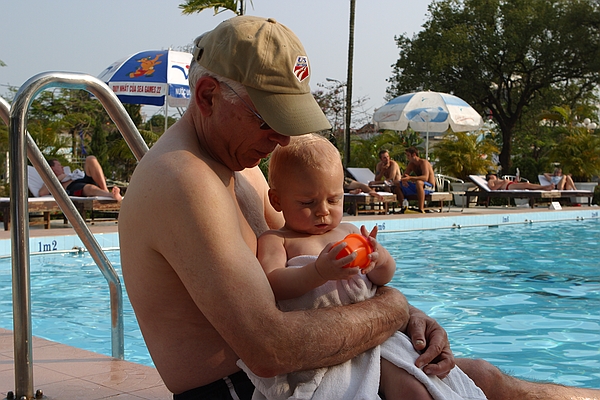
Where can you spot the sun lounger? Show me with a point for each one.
(48, 205)
(484, 192)
(368, 204)
(365, 175)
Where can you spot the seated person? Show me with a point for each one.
(560, 181)
(303, 267)
(93, 182)
(387, 171)
(504, 184)
(418, 178)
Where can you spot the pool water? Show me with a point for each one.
(525, 297)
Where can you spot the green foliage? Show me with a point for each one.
(157, 123)
(196, 6)
(461, 154)
(365, 152)
(579, 154)
(504, 57)
(57, 118)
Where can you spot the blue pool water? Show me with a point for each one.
(526, 297)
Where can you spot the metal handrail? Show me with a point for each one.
(20, 215)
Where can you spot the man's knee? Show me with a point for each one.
(484, 374)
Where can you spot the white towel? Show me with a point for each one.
(71, 176)
(357, 378)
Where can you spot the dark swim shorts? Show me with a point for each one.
(75, 188)
(238, 383)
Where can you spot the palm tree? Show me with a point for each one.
(196, 6)
(461, 154)
(349, 85)
(577, 149)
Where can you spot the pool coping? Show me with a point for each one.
(63, 239)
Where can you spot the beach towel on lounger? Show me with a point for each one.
(357, 378)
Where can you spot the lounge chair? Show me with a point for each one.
(484, 192)
(365, 202)
(48, 205)
(365, 175)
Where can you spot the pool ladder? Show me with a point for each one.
(21, 146)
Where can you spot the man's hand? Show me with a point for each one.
(431, 340)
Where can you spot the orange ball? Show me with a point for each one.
(356, 243)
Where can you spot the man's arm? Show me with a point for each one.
(379, 171)
(395, 174)
(227, 284)
(44, 190)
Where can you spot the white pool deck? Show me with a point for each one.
(63, 372)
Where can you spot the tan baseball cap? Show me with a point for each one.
(269, 60)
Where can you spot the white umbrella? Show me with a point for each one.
(427, 112)
(148, 77)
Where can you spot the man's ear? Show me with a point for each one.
(274, 200)
(206, 88)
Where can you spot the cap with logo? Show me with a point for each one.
(269, 60)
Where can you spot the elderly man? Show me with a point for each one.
(198, 291)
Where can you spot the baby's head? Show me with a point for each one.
(306, 179)
(304, 153)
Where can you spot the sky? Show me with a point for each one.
(87, 36)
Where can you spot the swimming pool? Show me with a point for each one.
(526, 297)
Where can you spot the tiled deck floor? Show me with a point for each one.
(64, 372)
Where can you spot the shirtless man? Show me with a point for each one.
(386, 169)
(91, 185)
(418, 178)
(504, 184)
(200, 295)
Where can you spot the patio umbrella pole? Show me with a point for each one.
(166, 112)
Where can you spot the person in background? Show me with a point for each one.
(560, 181)
(494, 183)
(387, 170)
(90, 183)
(355, 187)
(418, 178)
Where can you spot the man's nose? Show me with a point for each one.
(280, 139)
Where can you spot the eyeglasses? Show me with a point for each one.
(264, 126)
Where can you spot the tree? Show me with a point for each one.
(331, 97)
(349, 84)
(196, 6)
(365, 152)
(503, 55)
(461, 154)
(577, 148)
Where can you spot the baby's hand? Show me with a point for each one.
(331, 269)
(374, 256)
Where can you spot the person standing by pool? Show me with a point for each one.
(200, 295)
